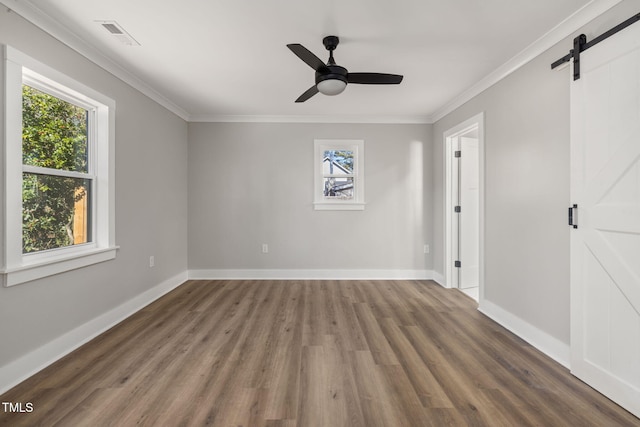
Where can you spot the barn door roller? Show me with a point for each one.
(580, 44)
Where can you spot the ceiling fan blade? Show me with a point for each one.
(307, 56)
(308, 94)
(374, 78)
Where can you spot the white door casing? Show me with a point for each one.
(605, 248)
(473, 126)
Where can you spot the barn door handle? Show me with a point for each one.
(573, 216)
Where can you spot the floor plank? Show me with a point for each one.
(309, 353)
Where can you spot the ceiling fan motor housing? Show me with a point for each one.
(331, 72)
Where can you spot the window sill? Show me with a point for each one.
(338, 206)
(55, 265)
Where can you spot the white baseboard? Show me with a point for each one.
(551, 346)
(439, 279)
(312, 274)
(17, 371)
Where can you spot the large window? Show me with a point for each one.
(339, 170)
(59, 146)
(57, 174)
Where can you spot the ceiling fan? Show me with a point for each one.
(332, 79)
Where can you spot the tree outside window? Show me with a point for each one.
(56, 183)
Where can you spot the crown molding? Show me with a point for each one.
(564, 29)
(311, 119)
(33, 14)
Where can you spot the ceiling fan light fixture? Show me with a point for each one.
(331, 86)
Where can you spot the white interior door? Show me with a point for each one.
(605, 248)
(469, 213)
(456, 170)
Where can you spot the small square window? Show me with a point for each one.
(339, 175)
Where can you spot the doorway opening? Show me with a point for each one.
(464, 206)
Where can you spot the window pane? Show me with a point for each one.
(55, 212)
(341, 188)
(54, 132)
(337, 162)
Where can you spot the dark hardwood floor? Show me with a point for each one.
(309, 353)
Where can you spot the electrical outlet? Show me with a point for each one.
(426, 249)
(265, 248)
(152, 261)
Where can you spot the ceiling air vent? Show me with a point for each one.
(119, 33)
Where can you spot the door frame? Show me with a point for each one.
(475, 122)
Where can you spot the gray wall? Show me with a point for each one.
(151, 208)
(252, 183)
(526, 185)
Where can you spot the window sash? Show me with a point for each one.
(53, 88)
(56, 236)
(47, 86)
(335, 175)
(327, 202)
(56, 172)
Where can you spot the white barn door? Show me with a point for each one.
(605, 248)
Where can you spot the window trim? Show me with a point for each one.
(16, 267)
(358, 201)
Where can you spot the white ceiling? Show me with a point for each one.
(223, 58)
